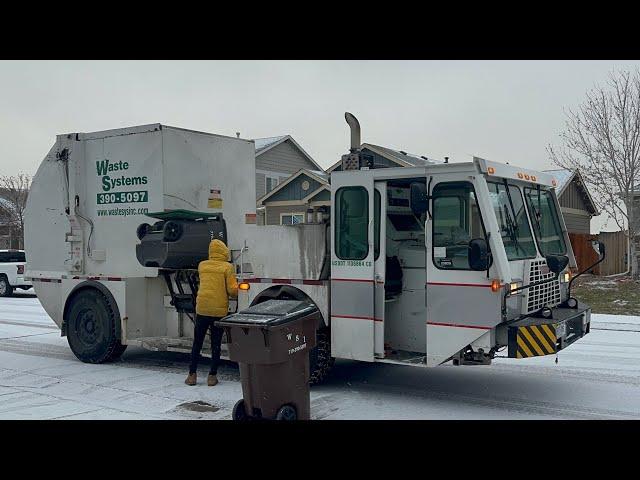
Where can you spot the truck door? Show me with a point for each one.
(380, 263)
(353, 284)
(461, 305)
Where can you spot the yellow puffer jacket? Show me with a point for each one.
(217, 282)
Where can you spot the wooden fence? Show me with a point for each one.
(616, 248)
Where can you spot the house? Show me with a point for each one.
(636, 238)
(277, 158)
(387, 157)
(9, 235)
(576, 202)
(304, 197)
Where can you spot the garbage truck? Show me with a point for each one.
(415, 265)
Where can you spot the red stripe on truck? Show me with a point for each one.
(437, 324)
(287, 281)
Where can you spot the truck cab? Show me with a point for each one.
(450, 262)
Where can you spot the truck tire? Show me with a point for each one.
(320, 359)
(6, 290)
(91, 327)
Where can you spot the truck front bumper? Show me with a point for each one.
(534, 336)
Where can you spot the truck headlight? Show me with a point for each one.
(514, 286)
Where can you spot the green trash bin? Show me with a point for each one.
(271, 343)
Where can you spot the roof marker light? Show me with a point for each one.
(520, 175)
(533, 178)
(491, 170)
(526, 176)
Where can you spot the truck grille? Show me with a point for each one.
(547, 294)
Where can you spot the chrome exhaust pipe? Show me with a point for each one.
(354, 125)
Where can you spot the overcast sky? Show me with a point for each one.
(506, 111)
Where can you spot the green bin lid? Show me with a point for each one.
(183, 215)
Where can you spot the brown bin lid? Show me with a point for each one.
(270, 313)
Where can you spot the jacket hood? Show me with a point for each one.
(218, 251)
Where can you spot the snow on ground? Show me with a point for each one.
(597, 377)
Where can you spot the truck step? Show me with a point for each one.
(404, 357)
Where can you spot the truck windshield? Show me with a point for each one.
(546, 223)
(512, 220)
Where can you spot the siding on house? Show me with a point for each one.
(324, 195)
(273, 213)
(260, 184)
(282, 161)
(293, 190)
(577, 223)
(573, 198)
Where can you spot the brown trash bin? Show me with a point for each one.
(271, 343)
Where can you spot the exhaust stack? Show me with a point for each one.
(355, 160)
(354, 125)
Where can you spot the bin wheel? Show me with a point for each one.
(239, 413)
(142, 230)
(171, 231)
(287, 412)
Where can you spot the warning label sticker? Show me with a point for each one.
(215, 198)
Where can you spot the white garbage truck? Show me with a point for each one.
(412, 265)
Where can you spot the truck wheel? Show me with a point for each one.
(6, 290)
(320, 360)
(91, 328)
(239, 413)
(287, 413)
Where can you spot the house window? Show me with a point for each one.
(271, 182)
(291, 218)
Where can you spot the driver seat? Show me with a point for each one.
(393, 277)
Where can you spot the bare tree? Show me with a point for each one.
(13, 201)
(602, 139)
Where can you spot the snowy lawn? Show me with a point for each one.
(617, 295)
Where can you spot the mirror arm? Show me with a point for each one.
(604, 254)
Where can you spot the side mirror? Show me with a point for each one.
(598, 247)
(479, 258)
(557, 263)
(419, 200)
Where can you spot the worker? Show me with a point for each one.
(217, 284)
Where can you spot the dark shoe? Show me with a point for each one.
(212, 380)
(192, 379)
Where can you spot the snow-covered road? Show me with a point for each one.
(597, 377)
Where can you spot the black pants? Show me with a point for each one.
(204, 323)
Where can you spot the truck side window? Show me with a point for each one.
(456, 221)
(352, 239)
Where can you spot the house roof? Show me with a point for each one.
(564, 177)
(265, 144)
(320, 176)
(402, 158)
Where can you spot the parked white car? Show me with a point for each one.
(12, 266)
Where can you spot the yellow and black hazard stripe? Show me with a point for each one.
(535, 341)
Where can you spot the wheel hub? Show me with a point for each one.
(88, 327)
